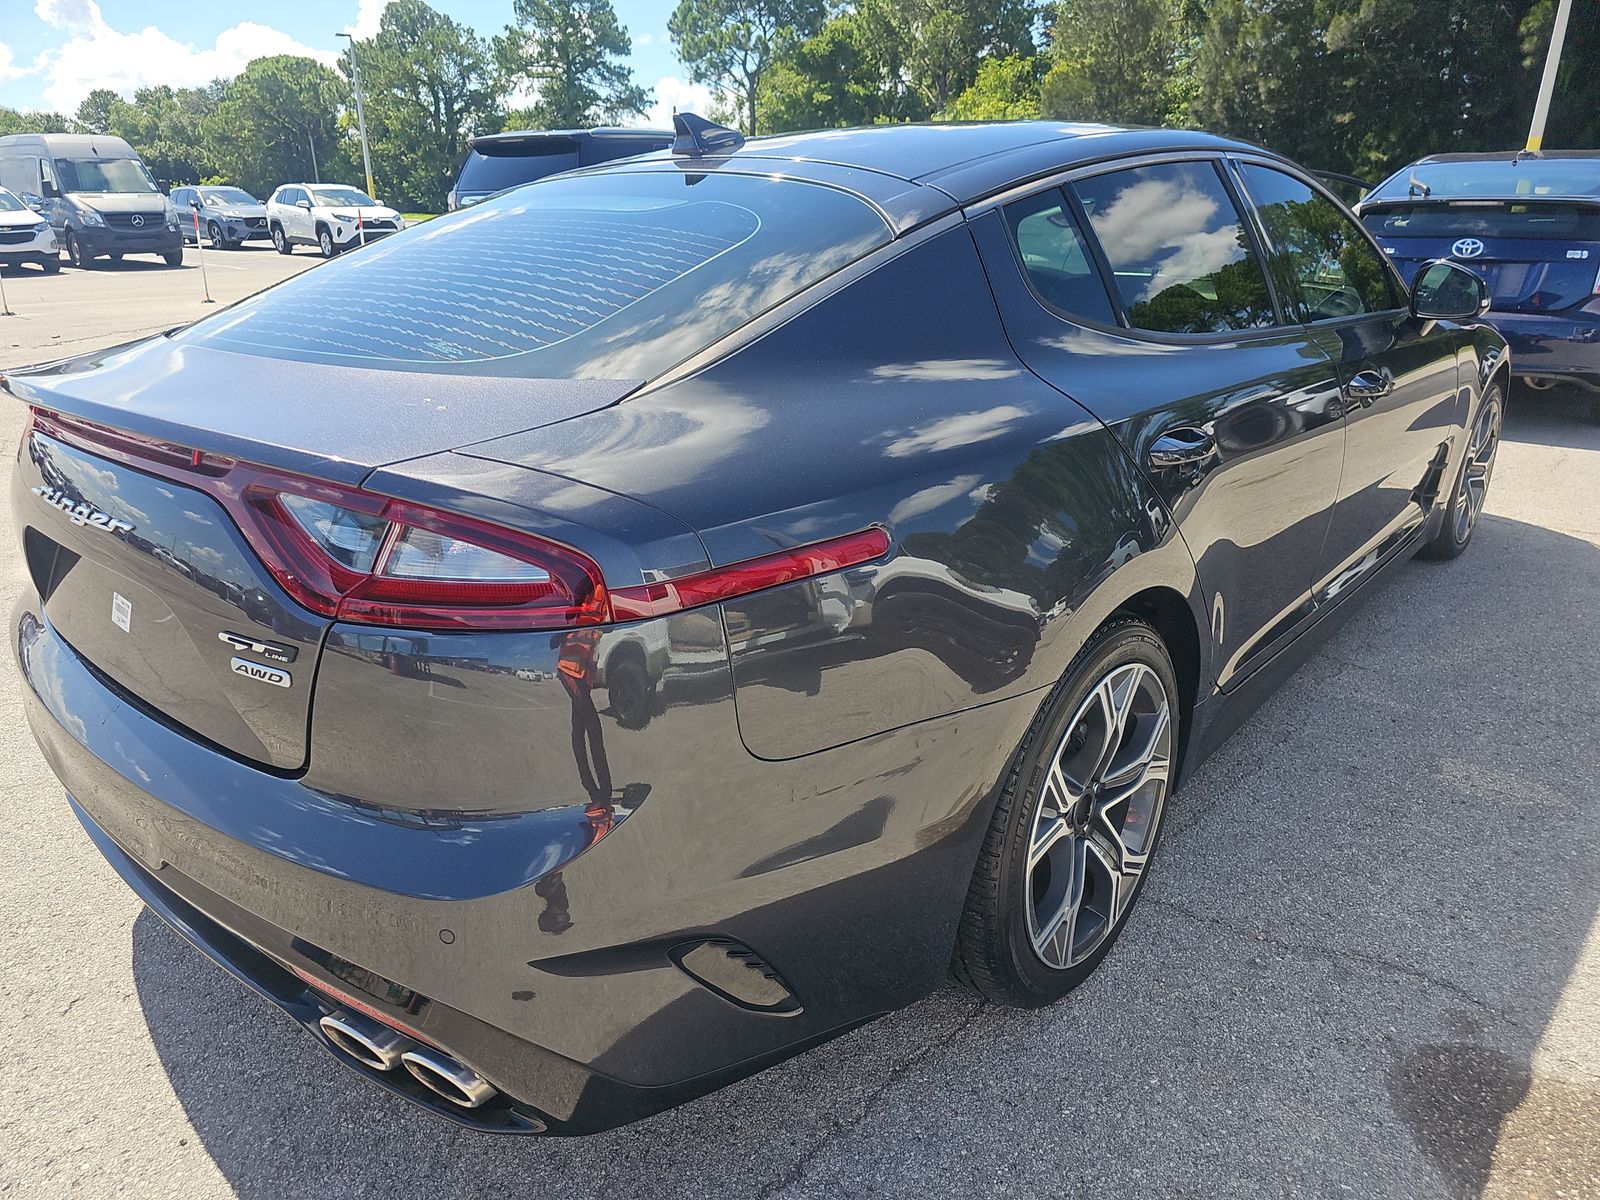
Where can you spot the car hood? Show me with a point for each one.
(239, 211)
(120, 202)
(336, 422)
(26, 218)
(350, 210)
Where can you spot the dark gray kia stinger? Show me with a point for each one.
(604, 641)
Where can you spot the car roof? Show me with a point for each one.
(98, 144)
(1503, 155)
(915, 172)
(532, 137)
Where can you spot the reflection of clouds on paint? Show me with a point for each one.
(87, 478)
(662, 446)
(1162, 224)
(957, 431)
(948, 370)
(931, 498)
(194, 516)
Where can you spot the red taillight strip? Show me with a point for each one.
(249, 494)
(750, 575)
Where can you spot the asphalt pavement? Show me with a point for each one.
(1367, 961)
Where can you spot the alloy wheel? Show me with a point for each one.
(1097, 818)
(1477, 470)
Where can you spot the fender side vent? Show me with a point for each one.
(736, 973)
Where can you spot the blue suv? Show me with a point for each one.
(1529, 225)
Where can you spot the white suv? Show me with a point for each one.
(25, 236)
(329, 216)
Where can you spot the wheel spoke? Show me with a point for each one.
(1053, 939)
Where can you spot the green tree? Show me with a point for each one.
(278, 120)
(570, 54)
(429, 86)
(939, 44)
(1006, 89)
(1112, 60)
(1575, 107)
(731, 44)
(33, 121)
(95, 114)
(840, 76)
(167, 126)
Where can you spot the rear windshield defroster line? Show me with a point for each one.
(610, 276)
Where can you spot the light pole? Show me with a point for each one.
(361, 115)
(1547, 85)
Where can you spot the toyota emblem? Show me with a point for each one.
(138, 220)
(1467, 248)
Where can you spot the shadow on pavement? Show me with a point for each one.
(1365, 913)
(1564, 416)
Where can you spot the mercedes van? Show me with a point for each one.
(100, 198)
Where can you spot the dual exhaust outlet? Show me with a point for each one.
(375, 1045)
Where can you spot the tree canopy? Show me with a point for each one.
(569, 54)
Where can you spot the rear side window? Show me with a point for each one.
(1179, 254)
(597, 276)
(1324, 265)
(1056, 257)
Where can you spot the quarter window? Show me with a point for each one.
(1324, 266)
(1056, 257)
(1180, 256)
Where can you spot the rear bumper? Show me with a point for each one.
(541, 955)
(1554, 346)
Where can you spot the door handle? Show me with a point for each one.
(1367, 386)
(1182, 447)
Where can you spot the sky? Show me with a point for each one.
(54, 52)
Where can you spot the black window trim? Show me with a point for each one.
(1397, 285)
(1125, 326)
(1062, 179)
(1091, 250)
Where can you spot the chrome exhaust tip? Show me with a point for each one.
(367, 1041)
(445, 1076)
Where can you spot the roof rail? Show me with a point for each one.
(698, 137)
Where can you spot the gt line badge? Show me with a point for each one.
(260, 672)
(81, 514)
(272, 650)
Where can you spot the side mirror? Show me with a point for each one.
(302, 204)
(194, 202)
(33, 200)
(1443, 291)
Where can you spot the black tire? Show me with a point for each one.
(115, 256)
(325, 242)
(173, 258)
(75, 253)
(280, 243)
(995, 952)
(51, 266)
(214, 233)
(1465, 504)
(632, 692)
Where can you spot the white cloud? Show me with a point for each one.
(369, 15)
(9, 69)
(674, 95)
(98, 56)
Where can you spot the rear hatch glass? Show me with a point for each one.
(483, 173)
(1536, 255)
(607, 276)
(152, 584)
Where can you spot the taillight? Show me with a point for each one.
(357, 556)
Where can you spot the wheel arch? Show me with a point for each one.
(1168, 612)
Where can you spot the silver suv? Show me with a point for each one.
(329, 216)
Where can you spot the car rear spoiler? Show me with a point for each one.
(1369, 204)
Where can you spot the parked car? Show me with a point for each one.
(25, 236)
(228, 216)
(329, 216)
(1527, 224)
(1145, 413)
(498, 161)
(96, 194)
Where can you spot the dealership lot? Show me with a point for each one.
(1368, 961)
